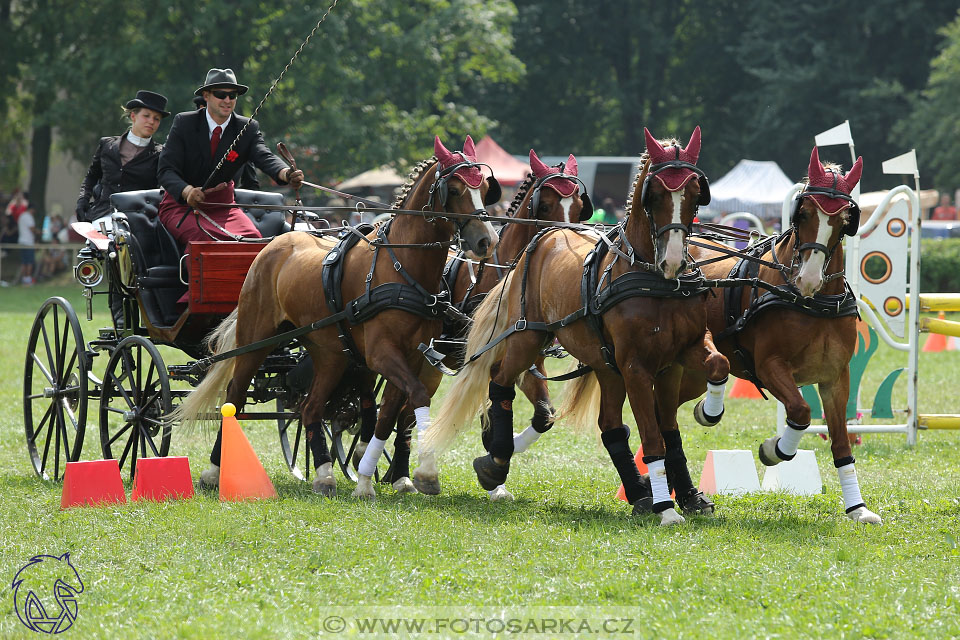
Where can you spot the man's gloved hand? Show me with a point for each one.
(193, 195)
(294, 178)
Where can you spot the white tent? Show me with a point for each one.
(755, 186)
(385, 176)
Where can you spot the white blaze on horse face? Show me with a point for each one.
(673, 254)
(810, 278)
(565, 204)
(476, 198)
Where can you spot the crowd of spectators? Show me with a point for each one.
(18, 226)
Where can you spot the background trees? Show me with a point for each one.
(380, 78)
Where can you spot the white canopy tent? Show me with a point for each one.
(754, 186)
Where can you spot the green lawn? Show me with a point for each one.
(766, 565)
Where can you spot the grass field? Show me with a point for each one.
(765, 566)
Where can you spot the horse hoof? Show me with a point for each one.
(670, 517)
(364, 489)
(404, 485)
(704, 419)
(768, 452)
(864, 515)
(426, 485)
(490, 474)
(358, 452)
(325, 486)
(695, 502)
(501, 493)
(210, 477)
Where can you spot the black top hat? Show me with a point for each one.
(217, 78)
(150, 100)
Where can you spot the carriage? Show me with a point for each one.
(158, 297)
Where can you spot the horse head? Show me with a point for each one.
(555, 194)
(672, 189)
(459, 187)
(825, 212)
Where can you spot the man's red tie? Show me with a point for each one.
(214, 141)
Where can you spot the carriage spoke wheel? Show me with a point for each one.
(55, 389)
(293, 439)
(134, 399)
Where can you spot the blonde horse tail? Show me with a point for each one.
(467, 396)
(199, 405)
(581, 403)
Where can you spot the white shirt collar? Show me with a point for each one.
(211, 125)
(137, 140)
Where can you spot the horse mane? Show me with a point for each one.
(644, 158)
(414, 175)
(521, 194)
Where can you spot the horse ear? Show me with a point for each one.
(469, 149)
(571, 167)
(815, 170)
(652, 144)
(853, 176)
(539, 169)
(693, 147)
(443, 155)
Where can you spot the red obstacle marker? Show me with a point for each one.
(744, 389)
(242, 477)
(96, 482)
(162, 478)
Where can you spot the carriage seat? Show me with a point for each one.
(270, 222)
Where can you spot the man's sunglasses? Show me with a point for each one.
(223, 95)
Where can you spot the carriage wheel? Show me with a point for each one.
(55, 389)
(293, 426)
(133, 401)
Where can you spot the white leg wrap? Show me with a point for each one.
(658, 482)
(713, 402)
(423, 423)
(368, 464)
(849, 486)
(523, 440)
(789, 440)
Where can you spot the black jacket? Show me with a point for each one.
(186, 160)
(105, 176)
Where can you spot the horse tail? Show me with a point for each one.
(581, 403)
(467, 396)
(196, 407)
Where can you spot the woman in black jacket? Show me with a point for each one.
(127, 162)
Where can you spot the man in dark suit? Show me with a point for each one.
(127, 162)
(248, 175)
(196, 146)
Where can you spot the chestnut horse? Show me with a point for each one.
(804, 333)
(636, 326)
(283, 289)
(551, 194)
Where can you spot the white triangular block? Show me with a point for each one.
(800, 476)
(729, 471)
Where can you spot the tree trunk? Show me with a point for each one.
(39, 168)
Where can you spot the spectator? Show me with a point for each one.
(946, 211)
(54, 259)
(26, 226)
(18, 204)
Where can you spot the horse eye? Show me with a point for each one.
(543, 208)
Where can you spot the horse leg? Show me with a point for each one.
(778, 378)
(390, 406)
(543, 412)
(615, 436)
(368, 416)
(639, 386)
(492, 469)
(834, 396)
(399, 473)
(246, 367)
(709, 410)
(326, 376)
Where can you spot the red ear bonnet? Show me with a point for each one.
(817, 176)
(565, 188)
(674, 179)
(471, 176)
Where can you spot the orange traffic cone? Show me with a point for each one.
(744, 389)
(936, 341)
(641, 467)
(242, 477)
(94, 482)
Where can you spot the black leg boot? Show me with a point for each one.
(490, 474)
(636, 487)
(689, 498)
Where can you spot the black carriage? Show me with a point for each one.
(157, 296)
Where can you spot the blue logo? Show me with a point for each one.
(45, 593)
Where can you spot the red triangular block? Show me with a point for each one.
(242, 476)
(162, 478)
(744, 389)
(96, 482)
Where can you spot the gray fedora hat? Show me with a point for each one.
(221, 78)
(150, 100)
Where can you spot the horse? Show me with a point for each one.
(387, 301)
(551, 194)
(637, 320)
(804, 332)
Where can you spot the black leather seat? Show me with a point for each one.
(270, 222)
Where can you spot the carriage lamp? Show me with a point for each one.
(88, 272)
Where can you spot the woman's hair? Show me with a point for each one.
(126, 113)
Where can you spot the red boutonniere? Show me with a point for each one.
(232, 156)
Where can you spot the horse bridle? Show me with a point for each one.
(830, 192)
(439, 190)
(586, 209)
